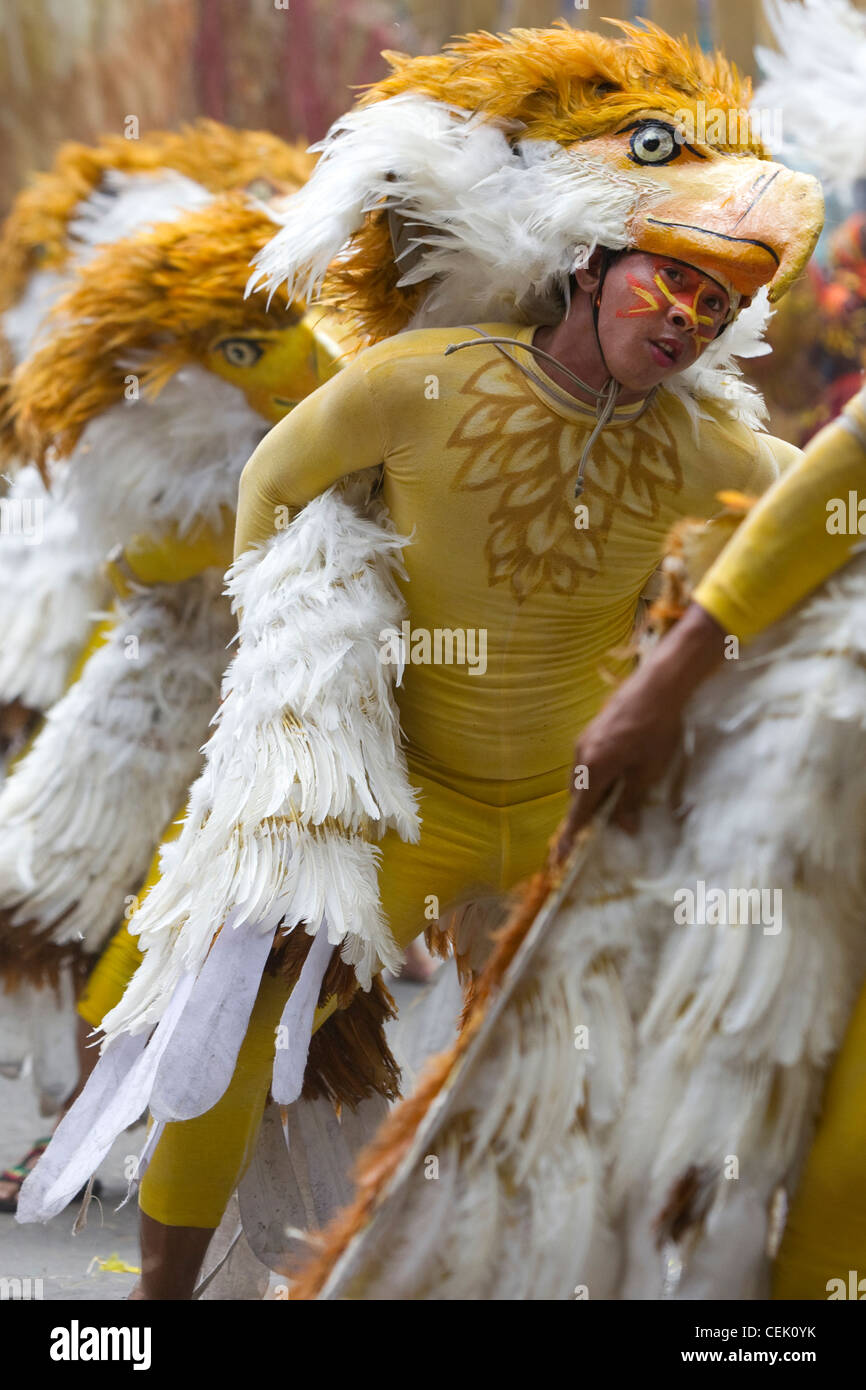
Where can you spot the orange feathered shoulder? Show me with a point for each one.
(569, 84)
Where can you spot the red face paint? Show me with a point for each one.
(650, 301)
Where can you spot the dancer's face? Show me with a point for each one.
(657, 316)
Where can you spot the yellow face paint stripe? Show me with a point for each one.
(690, 309)
(651, 302)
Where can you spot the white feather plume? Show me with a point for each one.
(82, 812)
(499, 223)
(816, 79)
(442, 153)
(50, 585)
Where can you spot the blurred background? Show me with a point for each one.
(75, 69)
(81, 69)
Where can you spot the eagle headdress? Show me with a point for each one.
(469, 184)
(91, 198)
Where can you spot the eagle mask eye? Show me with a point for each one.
(654, 142)
(240, 352)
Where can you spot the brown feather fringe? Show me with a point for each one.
(349, 1056)
(287, 958)
(27, 957)
(685, 1207)
(363, 285)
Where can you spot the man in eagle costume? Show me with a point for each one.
(576, 274)
(61, 522)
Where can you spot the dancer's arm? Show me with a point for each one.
(333, 432)
(172, 557)
(788, 544)
(781, 552)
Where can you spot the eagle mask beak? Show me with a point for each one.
(745, 221)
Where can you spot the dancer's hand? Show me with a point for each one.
(637, 733)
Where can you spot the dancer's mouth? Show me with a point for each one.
(666, 352)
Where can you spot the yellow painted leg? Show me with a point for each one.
(121, 958)
(826, 1233)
